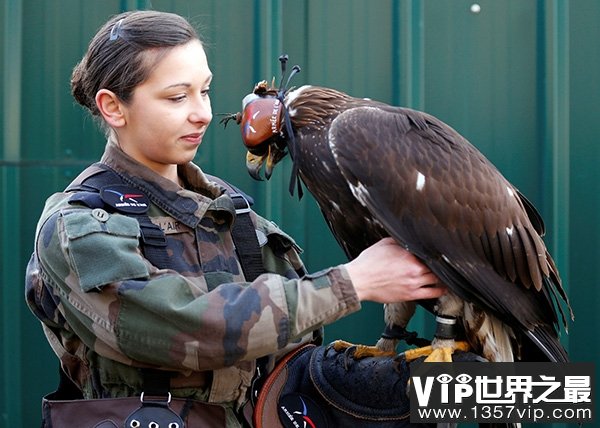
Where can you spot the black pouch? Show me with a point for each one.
(129, 412)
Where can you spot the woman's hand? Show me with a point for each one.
(386, 273)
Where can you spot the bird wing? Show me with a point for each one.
(445, 202)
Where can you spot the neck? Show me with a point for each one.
(314, 105)
(168, 171)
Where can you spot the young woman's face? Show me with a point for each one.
(168, 114)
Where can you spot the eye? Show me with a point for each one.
(464, 378)
(177, 98)
(444, 378)
(205, 92)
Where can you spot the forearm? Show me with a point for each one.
(169, 320)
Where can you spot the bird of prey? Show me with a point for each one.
(377, 170)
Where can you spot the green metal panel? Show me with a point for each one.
(554, 128)
(584, 178)
(11, 303)
(518, 78)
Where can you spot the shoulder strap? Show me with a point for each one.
(243, 231)
(87, 190)
(245, 239)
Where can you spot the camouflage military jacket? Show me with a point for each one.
(107, 311)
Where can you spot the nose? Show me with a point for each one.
(201, 111)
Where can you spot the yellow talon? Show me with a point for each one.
(437, 355)
(361, 351)
(341, 345)
(413, 354)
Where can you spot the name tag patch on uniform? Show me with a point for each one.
(168, 225)
(125, 199)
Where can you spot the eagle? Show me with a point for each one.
(377, 171)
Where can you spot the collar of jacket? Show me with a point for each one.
(187, 205)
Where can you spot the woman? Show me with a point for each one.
(108, 308)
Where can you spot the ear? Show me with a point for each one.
(111, 108)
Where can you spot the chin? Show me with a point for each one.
(186, 157)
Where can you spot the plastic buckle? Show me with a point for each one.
(239, 208)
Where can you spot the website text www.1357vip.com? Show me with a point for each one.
(502, 392)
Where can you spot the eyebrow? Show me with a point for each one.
(176, 85)
(186, 84)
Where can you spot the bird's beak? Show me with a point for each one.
(271, 158)
(254, 163)
(274, 156)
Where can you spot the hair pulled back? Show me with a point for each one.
(116, 57)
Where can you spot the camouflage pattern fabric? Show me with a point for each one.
(107, 311)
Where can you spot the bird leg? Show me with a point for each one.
(363, 351)
(449, 309)
(397, 316)
(386, 345)
(443, 345)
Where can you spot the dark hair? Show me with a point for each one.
(117, 57)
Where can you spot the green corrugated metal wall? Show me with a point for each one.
(519, 79)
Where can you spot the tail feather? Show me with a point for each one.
(549, 344)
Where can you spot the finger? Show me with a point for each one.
(432, 292)
(430, 278)
(424, 280)
(387, 241)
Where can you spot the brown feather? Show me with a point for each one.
(398, 172)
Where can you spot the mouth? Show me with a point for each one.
(193, 138)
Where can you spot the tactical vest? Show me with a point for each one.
(96, 186)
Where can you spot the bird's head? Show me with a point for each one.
(265, 126)
(261, 125)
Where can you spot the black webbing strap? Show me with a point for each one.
(156, 383)
(154, 242)
(67, 389)
(245, 239)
